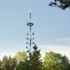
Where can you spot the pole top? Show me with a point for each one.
(30, 15)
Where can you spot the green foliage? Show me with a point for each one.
(5, 63)
(0, 65)
(20, 66)
(8, 63)
(63, 4)
(54, 61)
(34, 61)
(20, 56)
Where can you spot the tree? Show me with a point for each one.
(5, 65)
(20, 66)
(63, 4)
(0, 65)
(20, 56)
(34, 60)
(54, 61)
(12, 63)
(8, 63)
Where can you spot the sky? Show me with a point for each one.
(51, 26)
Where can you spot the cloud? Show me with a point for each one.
(63, 39)
(64, 50)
